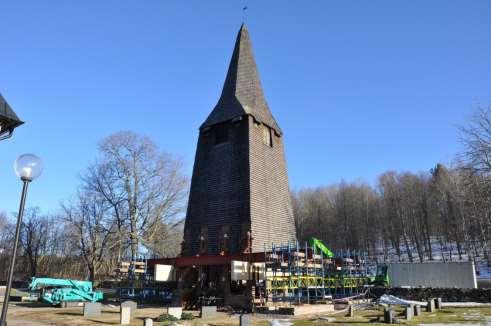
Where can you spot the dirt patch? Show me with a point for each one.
(31, 315)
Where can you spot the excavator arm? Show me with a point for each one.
(321, 246)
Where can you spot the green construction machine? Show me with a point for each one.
(321, 246)
(381, 277)
(58, 292)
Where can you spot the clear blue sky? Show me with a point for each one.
(359, 87)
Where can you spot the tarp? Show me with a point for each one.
(390, 299)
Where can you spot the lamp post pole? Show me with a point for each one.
(27, 167)
(3, 319)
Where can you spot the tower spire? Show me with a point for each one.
(239, 197)
(242, 92)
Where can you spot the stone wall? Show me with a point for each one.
(447, 295)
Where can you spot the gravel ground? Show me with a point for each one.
(26, 323)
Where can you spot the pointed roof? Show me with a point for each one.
(242, 91)
(7, 113)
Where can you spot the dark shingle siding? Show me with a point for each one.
(271, 209)
(219, 188)
(241, 182)
(242, 91)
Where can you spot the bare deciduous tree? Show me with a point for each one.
(89, 229)
(35, 238)
(476, 138)
(145, 187)
(405, 217)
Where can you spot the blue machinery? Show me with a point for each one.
(58, 291)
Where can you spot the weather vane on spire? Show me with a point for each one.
(244, 10)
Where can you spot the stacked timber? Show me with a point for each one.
(124, 267)
(139, 267)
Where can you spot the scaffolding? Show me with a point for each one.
(302, 274)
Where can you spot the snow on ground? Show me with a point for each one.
(465, 305)
(474, 316)
(280, 322)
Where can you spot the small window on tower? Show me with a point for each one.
(245, 237)
(203, 240)
(268, 136)
(224, 240)
(221, 134)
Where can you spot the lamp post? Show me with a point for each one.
(27, 167)
(8, 119)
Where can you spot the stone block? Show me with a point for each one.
(438, 303)
(389, 316)
(125, 316)
(208, 312)
(286, 311)
(245, 320)
(92, 309)
(351, 311)
(148, 322)
(174, 311)
(409, 312)
(430, 306)
(261, 310)
(417, 310)
(132, 304)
